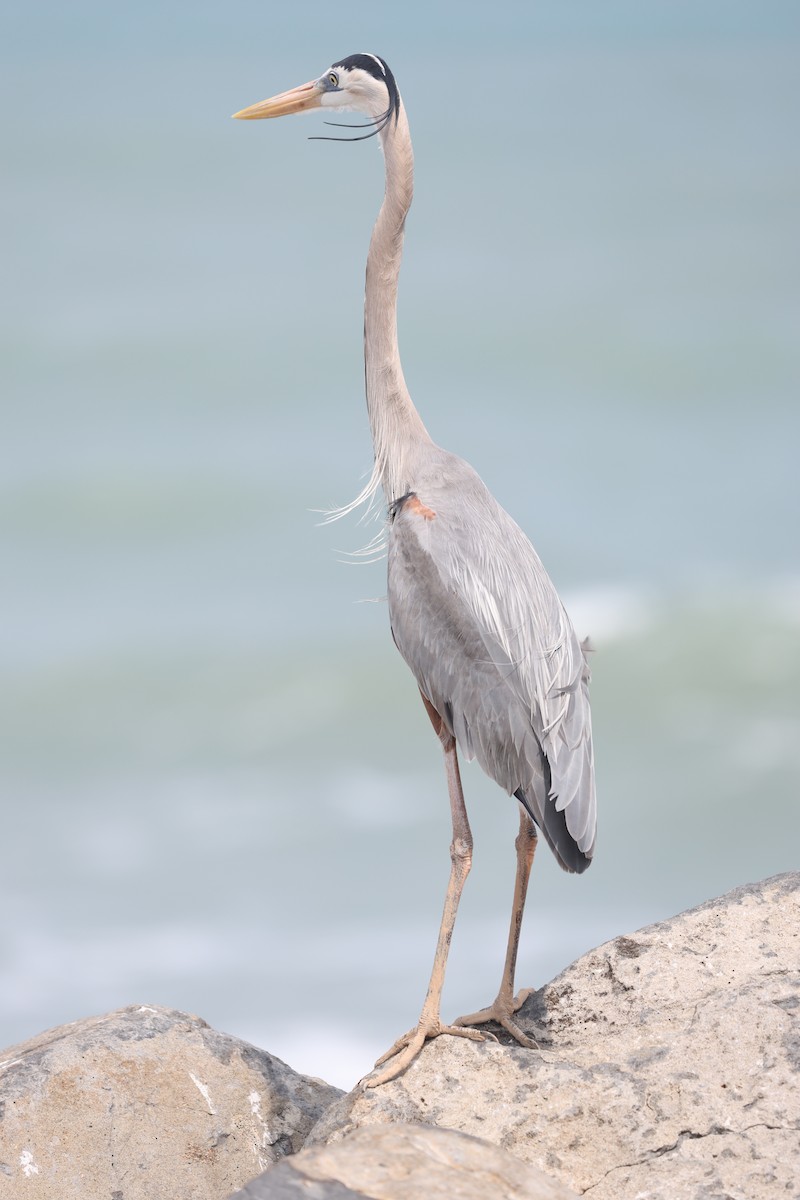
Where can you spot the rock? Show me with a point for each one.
(404, 1162)
(668, 1068)
(146, 1102)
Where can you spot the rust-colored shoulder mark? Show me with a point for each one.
(422, 510)
(412, 501)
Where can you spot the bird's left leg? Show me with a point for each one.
(506, 1004)
(406, 1048)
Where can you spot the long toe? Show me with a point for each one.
(406, 1048)
(513, 1028)
(402, 1058)
(397, 1046)
(502, 1012)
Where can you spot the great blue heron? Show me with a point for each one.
(473, 611)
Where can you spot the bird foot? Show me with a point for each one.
(502, 1011)
(412, 1042)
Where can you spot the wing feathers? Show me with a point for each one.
(479, 622)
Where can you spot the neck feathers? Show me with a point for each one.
(396, 425)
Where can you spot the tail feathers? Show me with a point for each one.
(553, 825)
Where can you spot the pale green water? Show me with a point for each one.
(218, 787)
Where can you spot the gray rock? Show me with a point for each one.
(146, 1102)
(668, 1068)
(404, 1162)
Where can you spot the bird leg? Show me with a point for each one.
(506, 1004)
(429, 1025)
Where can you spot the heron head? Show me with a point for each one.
(360, 82)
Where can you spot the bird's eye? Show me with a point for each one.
(333, 79)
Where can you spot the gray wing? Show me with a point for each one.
(479, 623)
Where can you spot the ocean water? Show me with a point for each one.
(218, 788)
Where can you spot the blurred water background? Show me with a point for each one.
(219, 788)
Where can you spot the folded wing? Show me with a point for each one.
(481, 626)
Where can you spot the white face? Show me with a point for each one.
(351, 89)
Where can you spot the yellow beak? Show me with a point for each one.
(308, 95)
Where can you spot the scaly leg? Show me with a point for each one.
(429, 1025)
(507, 1003)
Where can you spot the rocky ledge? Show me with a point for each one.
(668, 1067)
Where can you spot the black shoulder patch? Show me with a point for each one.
(396, 505)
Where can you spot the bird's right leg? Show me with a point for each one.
(406, 1048)
(506, 1004)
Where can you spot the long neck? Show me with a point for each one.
(397, 429)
